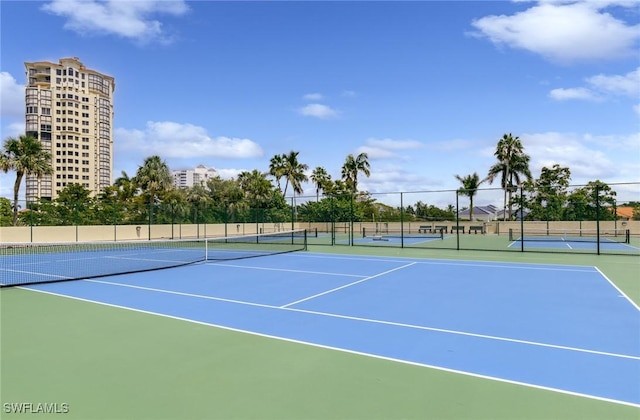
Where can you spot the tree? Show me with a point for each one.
(470, 185)
(227, 195)
(153, 177)
(277, 168)
(74, 205)
(352, 167)
(174, 207)
(294, 173)
(512, 164)
(5, 211)
(594, 201)
(257, 188)
(126, 188)
(26, 156)
(547, 196)
(320, 178)
(198, 197)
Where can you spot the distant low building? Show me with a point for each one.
(481, 213)
(186, 178)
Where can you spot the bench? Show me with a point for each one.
(457, 229)
(475, 229)
(441, 228)
(425, 229)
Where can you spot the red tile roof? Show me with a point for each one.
(625, 212)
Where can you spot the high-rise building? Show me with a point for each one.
(189, 177)
(69, 108)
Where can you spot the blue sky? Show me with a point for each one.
(425, 88)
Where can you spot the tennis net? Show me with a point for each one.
(570, 235)
(31, 263)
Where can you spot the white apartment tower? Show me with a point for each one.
(189, 177)
(69, 108)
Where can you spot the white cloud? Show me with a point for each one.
(584, 154)
(564, 32)
(386, 148)
(176, 140)
(394, 144)
(229, 173)
(627, 85)
(128, 19)
(313, 97)
(376, 152)
(601, 87)
(562, 94)
(11, 97)
(390, 178)
(451, 145)
(348, 94)
(319, 111)
(636, 108)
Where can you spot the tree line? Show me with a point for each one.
(150, 196)
(546, 198)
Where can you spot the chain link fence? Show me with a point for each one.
(595, 218)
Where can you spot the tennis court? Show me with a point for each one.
(563, 330)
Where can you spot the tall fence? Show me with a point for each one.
(594, 218)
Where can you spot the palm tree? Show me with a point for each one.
(176, 202)
(256, 186)
(153, 178)
(512, 164)
(26, 156)
(125, 187)
(294, 173)
(470, 185)
(226, 193)
(352, 166)
(277, 168)
(320, 177)
(198, 197)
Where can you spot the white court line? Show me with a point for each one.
(635, 305)
(285, 270)
(35, 273)
(348, 285)
(113, 257)
(375, 356)
(174, 292)
(464, 263)
(374, 321)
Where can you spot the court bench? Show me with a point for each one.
(457, 229)
(476, 229)
(441, 228)
(430, 229)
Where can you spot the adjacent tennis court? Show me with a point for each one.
(560, 330)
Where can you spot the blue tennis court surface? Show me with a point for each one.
(562, 328)
(578, 245)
